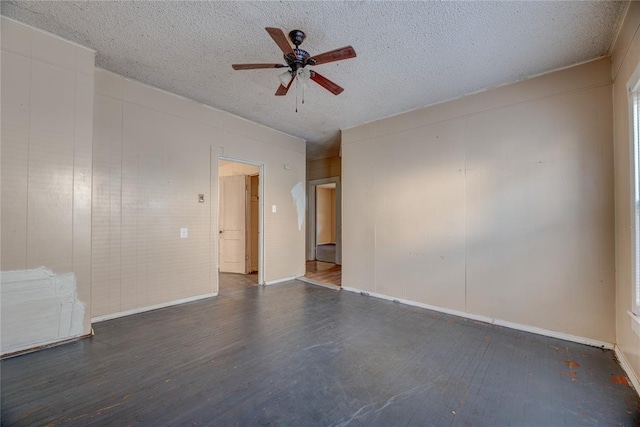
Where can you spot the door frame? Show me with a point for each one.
(248, 222)
(260, 215)
(311, 228)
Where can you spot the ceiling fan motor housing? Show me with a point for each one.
(299, 60)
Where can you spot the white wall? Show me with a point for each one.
(47, 107)
(626, 57)
(498, 204)
(154, 152)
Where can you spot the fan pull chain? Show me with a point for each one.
(296, 93)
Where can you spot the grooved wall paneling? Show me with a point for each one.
(153, 154)
(47, 126)
(498, 204)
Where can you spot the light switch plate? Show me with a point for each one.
(274, 209)
(184, 233)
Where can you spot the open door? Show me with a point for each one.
(232, 233)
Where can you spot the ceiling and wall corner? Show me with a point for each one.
(410, 54)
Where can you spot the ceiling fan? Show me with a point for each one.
(297, 61)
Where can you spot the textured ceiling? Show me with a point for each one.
(410, 54)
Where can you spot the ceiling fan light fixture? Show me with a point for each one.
(303, 75)
(285, 78)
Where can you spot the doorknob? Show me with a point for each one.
(220, 232)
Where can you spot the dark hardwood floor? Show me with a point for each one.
(231, 283)
(295, 354)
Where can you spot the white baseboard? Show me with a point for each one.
(315, 282)
(626, 367)
(150, 307)
(491, 320)
(45, 346)
(274, 282)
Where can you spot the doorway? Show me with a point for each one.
(324, 233)
(239, 224)
(326, 222)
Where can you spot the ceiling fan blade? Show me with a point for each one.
(256, 66)
(326, 83)
(334, 55)
(281, 40)
(282, 90)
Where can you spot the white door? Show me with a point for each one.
(232, 224)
